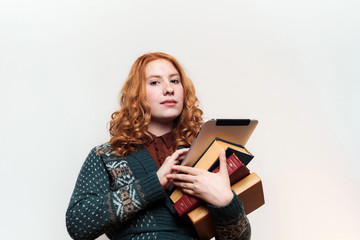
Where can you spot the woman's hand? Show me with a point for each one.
(166, 167)
(214, 188)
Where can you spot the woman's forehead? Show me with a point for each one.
(160, 67)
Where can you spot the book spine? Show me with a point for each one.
(187, 203)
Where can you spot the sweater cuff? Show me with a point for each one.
(151, 187)
(228, 212)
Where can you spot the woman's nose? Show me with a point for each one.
(168, 89)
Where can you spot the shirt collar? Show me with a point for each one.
(167, 138)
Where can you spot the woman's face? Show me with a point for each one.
(164, 91)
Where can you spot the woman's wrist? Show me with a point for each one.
(223, 199)
(162, 179)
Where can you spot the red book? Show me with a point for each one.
(236, 169)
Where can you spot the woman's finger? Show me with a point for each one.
(223, 165)
(182, 151)
(184, 185)
(179, 153)
(181, 177)
(187, 170)
(189, 192)
(177, 156)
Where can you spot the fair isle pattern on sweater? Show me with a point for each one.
(238, 228)
(85, 214)
(127, 193)
(93, 208)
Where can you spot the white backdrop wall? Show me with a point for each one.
(293, 65)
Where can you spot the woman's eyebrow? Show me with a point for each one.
(158, 76)
(175, 75)
(153, 76)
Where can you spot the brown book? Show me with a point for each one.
(249, 190)
(207, 160)
(236, 169)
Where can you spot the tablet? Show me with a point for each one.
(237, 131)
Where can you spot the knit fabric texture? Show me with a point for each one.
(123, 198)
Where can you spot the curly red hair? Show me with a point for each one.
(128, 126)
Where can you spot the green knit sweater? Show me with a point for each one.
(123, 198)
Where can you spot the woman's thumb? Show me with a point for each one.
(223, 164)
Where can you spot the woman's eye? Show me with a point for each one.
(175, 81)
(154, 82)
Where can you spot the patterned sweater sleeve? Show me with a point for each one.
(230, 221)
(95, 209)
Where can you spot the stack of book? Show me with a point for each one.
(246, 185)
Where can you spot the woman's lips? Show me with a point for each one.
(169, 102)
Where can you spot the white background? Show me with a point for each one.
(293, 65)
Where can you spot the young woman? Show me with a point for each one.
(122, 187)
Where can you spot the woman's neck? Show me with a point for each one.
(159, 129)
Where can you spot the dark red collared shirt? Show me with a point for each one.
(160, 147)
